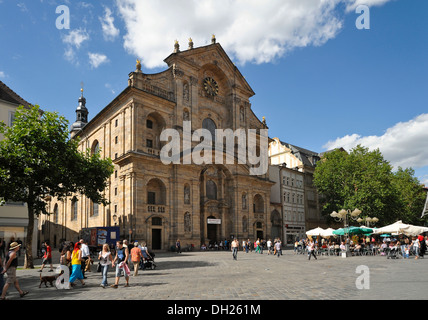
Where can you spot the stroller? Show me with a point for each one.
(148, 262)
(393, 253)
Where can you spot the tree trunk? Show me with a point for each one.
(28, 264)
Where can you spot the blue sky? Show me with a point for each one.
(319, 80)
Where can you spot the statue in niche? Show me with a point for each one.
(186, 115)
(187, 222)
(186, 194)
(186, 92)
(242, 114)
(244, 224)
(244, 201)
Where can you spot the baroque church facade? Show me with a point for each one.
(156, 202)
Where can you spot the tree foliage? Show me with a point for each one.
(37, 160)
(363, 179)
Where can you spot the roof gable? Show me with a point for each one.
(7, 94)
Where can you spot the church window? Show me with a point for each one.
(149, 124)
(210, 126)
(211, 190)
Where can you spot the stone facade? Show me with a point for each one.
(156, 202)
(299, 164)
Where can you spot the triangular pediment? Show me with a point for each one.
(214, 55)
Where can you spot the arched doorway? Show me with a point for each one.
(212, 229)
(156, 233)
(216, 194)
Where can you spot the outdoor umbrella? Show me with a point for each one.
(352, 230)
(327, 232)
(400, 227)
(315, 232)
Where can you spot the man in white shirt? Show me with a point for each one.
(86, 256)
(269, 246)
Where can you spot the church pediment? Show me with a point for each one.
(210, 59)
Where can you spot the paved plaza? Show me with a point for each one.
(215, 275)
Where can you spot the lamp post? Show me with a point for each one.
(368, 221)
(346, 216)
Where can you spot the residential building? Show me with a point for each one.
(13, 215)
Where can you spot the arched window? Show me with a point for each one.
(56, 213)
(95, 147)
(210, 126)
(211, 190)
(95, 209)
(74, 209)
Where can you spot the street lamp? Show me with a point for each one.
(368, 221)
(345, 216)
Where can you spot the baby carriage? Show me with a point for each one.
(148, 262)
(393, 253)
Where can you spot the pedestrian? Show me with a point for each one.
(86, 257)
(119, 262)
(235, 247)
(76, 265)
(311, 250)
(178, 246)
(10, 270)
(2, 248)
(415, 246)
(145, 254)
(278, 247)
(106, 259)
(269, 246)
(65, 258)
(422, 246)
(1, 274)
(136, 257)
(47, 257)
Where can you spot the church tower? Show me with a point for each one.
(81, 115)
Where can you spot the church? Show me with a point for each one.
(156, 202)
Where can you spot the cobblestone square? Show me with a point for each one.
(253, 277)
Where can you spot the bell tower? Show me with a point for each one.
(81, 115)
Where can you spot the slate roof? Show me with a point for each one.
(308, 157)
(7, 94)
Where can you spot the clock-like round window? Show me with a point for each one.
(210, 86)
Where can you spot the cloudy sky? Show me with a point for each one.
(320, 80)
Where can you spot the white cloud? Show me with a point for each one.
(97, 59)
(110, 32)
(73, 41)
(76, 37)
(2, 74)
(253, 31)
(353, 4)
(404, 144)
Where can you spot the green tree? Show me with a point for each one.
(37, 160)
(411, 195)
(361, 179)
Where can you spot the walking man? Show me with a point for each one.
(86, 255)
(47, 257)
(10, 270)
(278, 247)
(235, 246)
(122, 255)
(311, 250)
